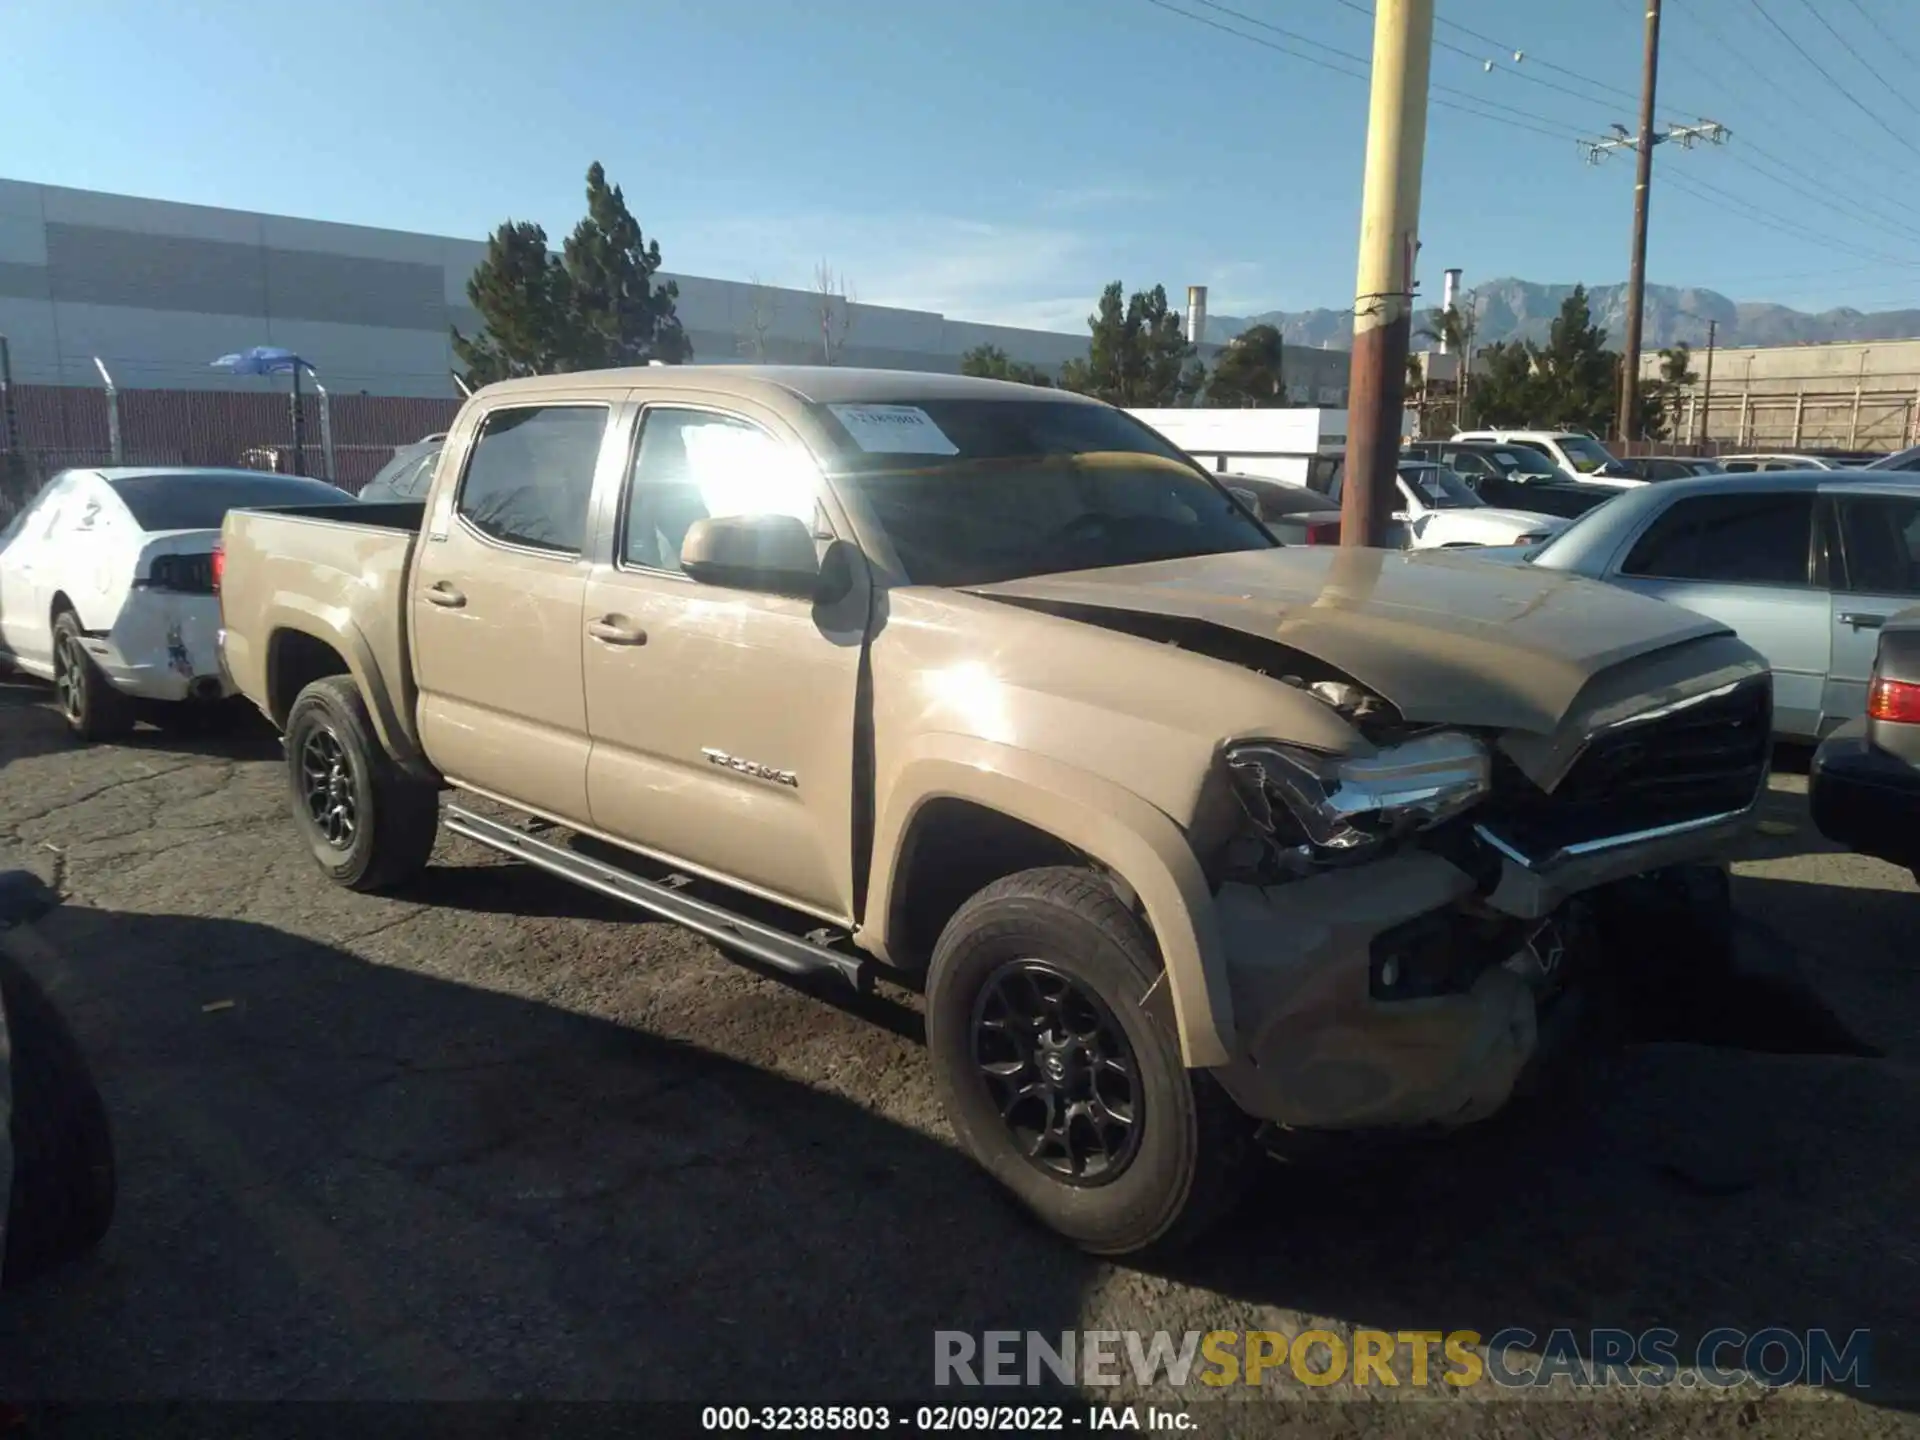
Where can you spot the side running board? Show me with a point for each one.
(763, 942)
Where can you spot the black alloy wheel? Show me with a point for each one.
(1057, 1066)
(327, 788)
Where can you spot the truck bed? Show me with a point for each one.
(335, 574)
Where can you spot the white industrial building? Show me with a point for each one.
(158, 290)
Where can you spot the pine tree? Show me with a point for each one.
(1137, 352)
(593, 307)
(619, 316)
(521, 292)
(1577, 373)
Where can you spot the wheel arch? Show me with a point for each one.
(302, 649)
(1044, 811)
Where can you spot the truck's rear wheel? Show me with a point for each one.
(92, 708)
(369, 825)
(1058, 1082)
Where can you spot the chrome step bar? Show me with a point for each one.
(763, 942)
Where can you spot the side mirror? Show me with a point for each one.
(771, 554)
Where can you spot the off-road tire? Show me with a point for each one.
(396, 816)
(63, 1175)
(1195, 1148)
(90, 705)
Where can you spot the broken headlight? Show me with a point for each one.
(1326, 809)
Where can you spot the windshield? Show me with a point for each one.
(200, 501)
(974, 491)
(1524, 462)
(1586, 453)
(1439, 487)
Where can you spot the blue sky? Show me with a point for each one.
(1000, 159)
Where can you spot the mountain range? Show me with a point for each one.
(1508, 309)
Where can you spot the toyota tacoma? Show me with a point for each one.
(1192, 839)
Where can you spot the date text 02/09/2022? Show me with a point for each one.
(941, 1419)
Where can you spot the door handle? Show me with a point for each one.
(1862, 621)
(610, 629)
(442, 594)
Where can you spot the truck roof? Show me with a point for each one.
(814, 384)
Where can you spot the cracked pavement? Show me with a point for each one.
(496, 1137)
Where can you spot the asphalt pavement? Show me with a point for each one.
(494, 1137)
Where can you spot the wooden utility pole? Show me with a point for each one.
(1389, 240)
(1637, 274)
(1706, 388)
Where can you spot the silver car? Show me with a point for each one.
(1806, 565)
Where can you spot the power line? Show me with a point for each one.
(1862, 217)
(1815, 180)
(1613, 92)
(1723, 45)
(1831, 197)
(1527, 123)
(1867, 64)
(1529, 116)
(1741, 205)
(1852, 99)
(1465, 104)
(1898, 48)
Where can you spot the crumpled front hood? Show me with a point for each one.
(1442, 636)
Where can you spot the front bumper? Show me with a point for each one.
(1323, 1041)
(1865, 798)
(164, 646)
(1317, 1050)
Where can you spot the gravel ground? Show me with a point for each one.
(495, 1138)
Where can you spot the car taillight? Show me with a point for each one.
(1895, 700)
(219, 564)
(1324, 532)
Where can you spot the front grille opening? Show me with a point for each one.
(1706, 760)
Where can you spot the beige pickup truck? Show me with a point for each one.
(1192, 840)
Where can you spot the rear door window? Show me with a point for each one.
(530, 476)
(1731, 539)
(1880, 535)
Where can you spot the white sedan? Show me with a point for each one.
(107, 585)
(1438, 511)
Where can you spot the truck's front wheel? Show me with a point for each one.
(369, 825)
(1057, 1080)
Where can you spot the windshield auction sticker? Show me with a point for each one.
(894, 430)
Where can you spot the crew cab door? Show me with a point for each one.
(722, 719)
(1879, 574)
(499, 580)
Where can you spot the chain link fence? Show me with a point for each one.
(63, 427)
